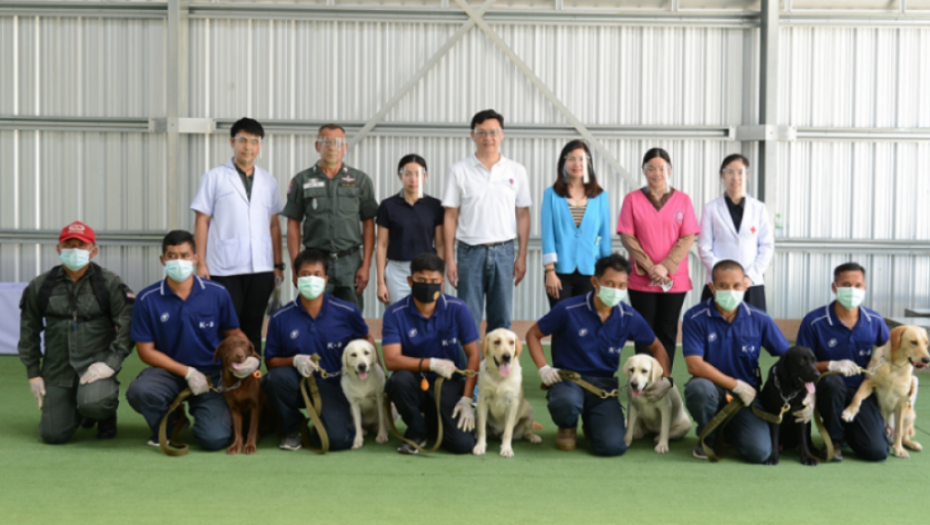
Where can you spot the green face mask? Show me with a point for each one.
(850, 297)
(729, 299)
(311, 286)
(611, 296)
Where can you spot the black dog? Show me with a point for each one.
(789, 381)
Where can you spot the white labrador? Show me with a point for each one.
(501, 405)
(362, 383)
(665, 417)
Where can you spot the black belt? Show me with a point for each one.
(343, 253)
(488, 244)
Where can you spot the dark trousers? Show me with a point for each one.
(661, 312)
(746, 433)
(573, 285)
(249, 293)
(602, 417)
(63, 407)
(755, 296)
(865, 435)
(282, 385)
(153, 391)
(418, 410)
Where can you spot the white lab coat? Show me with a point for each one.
(753, 246)
(239, 237)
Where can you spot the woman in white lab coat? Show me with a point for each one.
(736, 226)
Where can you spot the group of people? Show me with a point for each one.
(220, 278)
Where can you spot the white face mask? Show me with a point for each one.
(179, 270)
(74, 258)
(850, 297)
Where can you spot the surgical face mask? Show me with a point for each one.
(311, 286)
(850, 297)
(426, 292)
(74, 258)
(729, 299)
(611, 296)
(179, 269)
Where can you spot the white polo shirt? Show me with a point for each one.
(487, 200)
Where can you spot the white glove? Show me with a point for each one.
(845, 367)
(656, 391)
(37, 387)
(305, 365)
(196, 381)
(443, 367)
(245, 368)
(96, 371)
(465, 413)
(549, 375)
(805, 414)
(745, 392)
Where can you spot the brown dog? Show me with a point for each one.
(244, 396)
(894, 384)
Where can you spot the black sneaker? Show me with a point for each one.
(837, 451)
(698, 451)
(87, 422)
(182, 420)
(106, 428)
(290, 442)
(407, 448)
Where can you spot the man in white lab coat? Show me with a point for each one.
(735, 226)
(237, 226)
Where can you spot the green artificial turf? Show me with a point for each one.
(125, 481)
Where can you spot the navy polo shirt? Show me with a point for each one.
(411, 229)
(732, 348)
(584, 344)
(831, 340)
(439, 336)
(292, 331)
(187, 331)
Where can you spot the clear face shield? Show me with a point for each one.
(331, 149)
(573, 158)
(411, 175)
(665, 171)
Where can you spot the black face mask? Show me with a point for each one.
(426, 292)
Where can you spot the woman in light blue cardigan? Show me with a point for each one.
(575, 225)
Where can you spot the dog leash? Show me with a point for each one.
(180, 449)
(314, 403)
(575, 377)
(437, 394)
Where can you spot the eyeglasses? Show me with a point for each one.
(331, 143)
(742, 172)
(653, 169)
(245, 140)
(484, 133)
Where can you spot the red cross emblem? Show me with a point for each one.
(753, 230)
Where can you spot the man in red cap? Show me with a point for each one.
(86, 311)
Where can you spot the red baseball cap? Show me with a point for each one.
(78, 230)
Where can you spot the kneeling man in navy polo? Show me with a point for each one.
(721, 340)
(177, 324)
(843, 335)
(421, 334)
(314, 323)
(588, 335)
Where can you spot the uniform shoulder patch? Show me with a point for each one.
(127, 293)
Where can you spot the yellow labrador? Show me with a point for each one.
(664, 417)
(500, 394)
(894, 384)
(362, 383)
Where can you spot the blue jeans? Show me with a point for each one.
(282, 386)
(602, 417)
(748, 434)
(487, 271)
(153, 391)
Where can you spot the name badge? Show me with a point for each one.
(314, 183)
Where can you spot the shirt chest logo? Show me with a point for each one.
(748, 349)
(347, 178)
(865, 352)
(613, 351)
(831, 343)
(679, 216)
(164, 318)
(333, 346)
(711, 337)
(412, 332)
(583, 332)
(207, 324)
(294, 334)
(447, 342)
(314, 183)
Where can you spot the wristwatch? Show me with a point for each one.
(280, 266)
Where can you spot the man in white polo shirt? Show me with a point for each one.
(487, 204)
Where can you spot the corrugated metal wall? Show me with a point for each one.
(612, 75)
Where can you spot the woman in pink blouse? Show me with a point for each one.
(657, 227)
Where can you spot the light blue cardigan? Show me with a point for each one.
(574, 248)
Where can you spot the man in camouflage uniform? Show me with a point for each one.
(330, 199)
(86, 311)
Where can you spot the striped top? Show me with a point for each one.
(578, 213)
